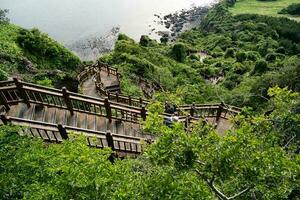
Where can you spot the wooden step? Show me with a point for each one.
(91, 122)
(81, 120)
(101, 124)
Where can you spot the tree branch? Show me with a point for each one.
(289, 142)
(222, 195)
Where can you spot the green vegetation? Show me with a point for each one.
(257, 157)
(270, 8)
(293, 9)
(33, 55)
(245, 56)
(248, 60)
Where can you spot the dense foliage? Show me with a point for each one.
(33, 55)
(228, 58)
(293, 9)
(246, 60)
(257, 159)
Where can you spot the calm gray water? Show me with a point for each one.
(69, 20)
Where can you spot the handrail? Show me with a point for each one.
(30, 93)
(57, 133)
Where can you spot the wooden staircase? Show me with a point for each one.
(107, 119)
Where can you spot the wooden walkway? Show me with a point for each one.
(105, 117)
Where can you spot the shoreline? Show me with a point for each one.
(168, 26)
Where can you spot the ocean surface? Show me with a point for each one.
(87, 25)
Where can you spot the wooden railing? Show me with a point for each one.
(56, 133)
(209, 110)
(116, 106)
(18, 91)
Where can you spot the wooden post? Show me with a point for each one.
(110, 140)
(98, 77)
(108, 72)
(144, 113)
(110, 143)
(141, 101)
(63, 132)
(129, 100)
(22, 91)
(4, 102)
(4, 119)
(117, 95)
(219, 112)
(108, 95)
(187, 123)
(108, 109)
(67, 100)
(192, 111)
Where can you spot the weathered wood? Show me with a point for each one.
(67, 100)
(63, 132)
(144, 113)
(108, 109)
(4, 119)
(4, 102)
(22, 91)
(110, 140)
(219, 112)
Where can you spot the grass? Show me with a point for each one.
(263, 7)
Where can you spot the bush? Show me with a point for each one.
(179, 52)
(241, 56)
(3, 75)
(124, 37)
(280, 50)
(41, 46)
(261, 66)
(3, 18)
(271, 57)
(229, 53)
(293, 9)
(253, 55)
(145, 41)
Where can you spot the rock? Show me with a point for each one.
(28, 65)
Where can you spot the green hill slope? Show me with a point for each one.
(33, 55)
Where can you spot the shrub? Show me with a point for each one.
(42, 46)
(271, 57)
(3, 18)
(241, 56)
(261, 66)
(179, 52)
(45, 82)
(293, 9)
(280, 50)
(3, 75)
(253, 55)
(239, 68)
(124, 37)
(164, 39)
(145, 41)
(229, 53)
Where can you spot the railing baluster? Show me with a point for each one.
(67, 100)
(22, 92)
(110, 141)
(108, 109)
(4, 101)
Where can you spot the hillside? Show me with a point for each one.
(34, 56)
(229, 58)
(248, 60)
(270, 8)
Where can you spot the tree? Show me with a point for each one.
(247, 162)
(179, 52)
(261, 66)
(3, 18)
(241, 56)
